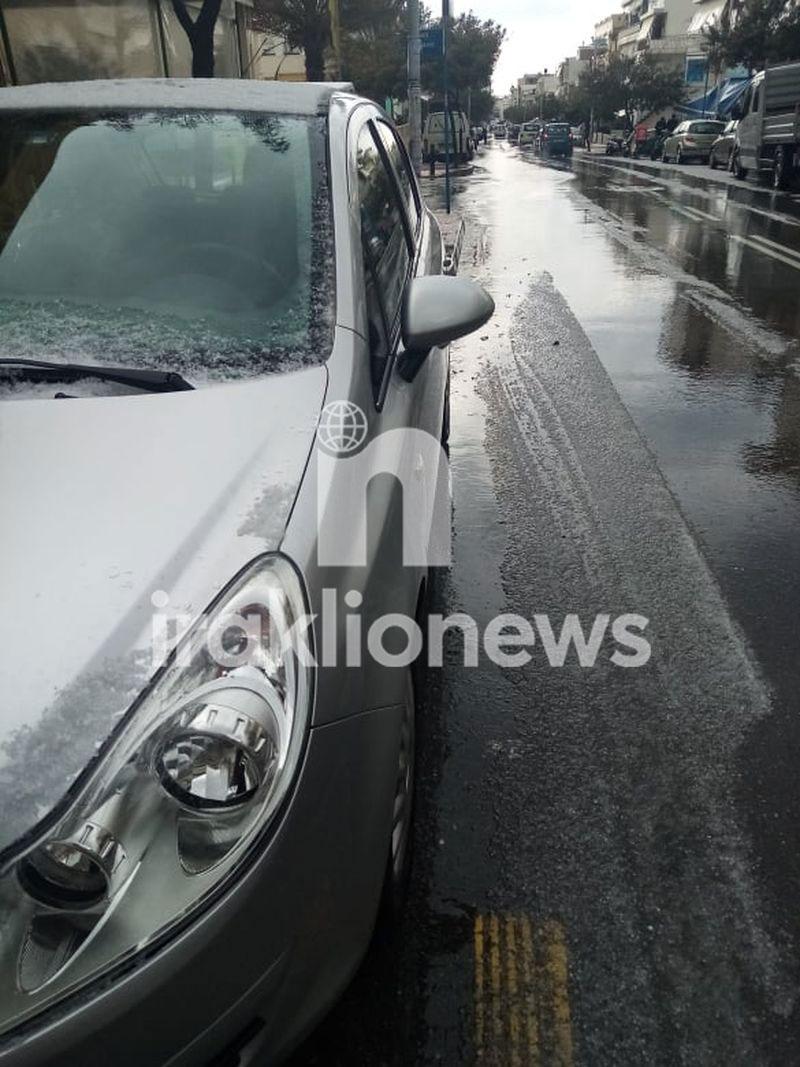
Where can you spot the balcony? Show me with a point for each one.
(676, 44)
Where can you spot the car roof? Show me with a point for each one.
(207, 94)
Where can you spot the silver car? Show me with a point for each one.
(691, 140)
(215, 297)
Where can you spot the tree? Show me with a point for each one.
(765, 31)
(200, 32)
(302, 23)
(374, 36)
(629, 85)
(473, 49)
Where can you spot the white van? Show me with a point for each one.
(433, 141)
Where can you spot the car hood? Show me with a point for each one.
(107, 502)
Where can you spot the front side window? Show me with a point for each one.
(194, 242)
(385, 249)
(402, 168)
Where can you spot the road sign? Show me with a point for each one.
(431, 39)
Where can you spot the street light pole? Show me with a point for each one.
(447, 116)
(414, 101)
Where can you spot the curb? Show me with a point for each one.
(453, 230)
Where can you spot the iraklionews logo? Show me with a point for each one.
(343, 428)
(345, 466)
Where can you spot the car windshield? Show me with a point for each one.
(706, 127)
(194, 242)
(558, 127)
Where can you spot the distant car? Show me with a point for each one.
(529, 131)
(195, 874)
(462, 147)
(722, 148)
(555, 140)
(691, 140)
(513, 134)
(500, 130)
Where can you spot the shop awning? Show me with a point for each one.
(720, 101)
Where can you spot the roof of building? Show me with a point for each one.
(207, 94)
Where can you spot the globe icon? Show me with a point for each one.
(342, 427)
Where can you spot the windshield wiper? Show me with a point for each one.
(151, 381)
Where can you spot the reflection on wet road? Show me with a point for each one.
(606, 859)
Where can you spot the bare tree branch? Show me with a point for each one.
(183, 16)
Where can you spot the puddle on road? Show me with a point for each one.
(700, 337)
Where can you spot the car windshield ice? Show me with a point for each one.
(194, 242)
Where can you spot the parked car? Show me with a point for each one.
(691, 140)
(722, 148)
(198, 830)
(461, 146)
(554, 140)
(528, 132)
(767, 139)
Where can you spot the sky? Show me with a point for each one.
(539, 33)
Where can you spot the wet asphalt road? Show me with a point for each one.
(607, 859)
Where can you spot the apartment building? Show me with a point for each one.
(671, 31)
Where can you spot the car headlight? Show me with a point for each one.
(194, 774)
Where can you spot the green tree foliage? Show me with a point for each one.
(627, 85)
(374, 36)
(473, 49)
(302, 24)
(765, 31)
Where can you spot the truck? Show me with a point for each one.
(768, 135)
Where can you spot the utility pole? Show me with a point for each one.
(414, 90)
(447, 115)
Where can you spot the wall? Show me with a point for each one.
(273, 61)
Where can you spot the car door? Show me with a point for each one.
(748, 131)
(390, 200)
(399, 241)
(677, 138)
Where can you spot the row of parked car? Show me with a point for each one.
(762, 135)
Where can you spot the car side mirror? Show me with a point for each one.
(438, 309)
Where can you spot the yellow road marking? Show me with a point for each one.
(494, 970)
(513, 992)
(555, 962)
(479, 987)
(531, 1018)
(521, 986)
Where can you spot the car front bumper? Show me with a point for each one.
(261, 966)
